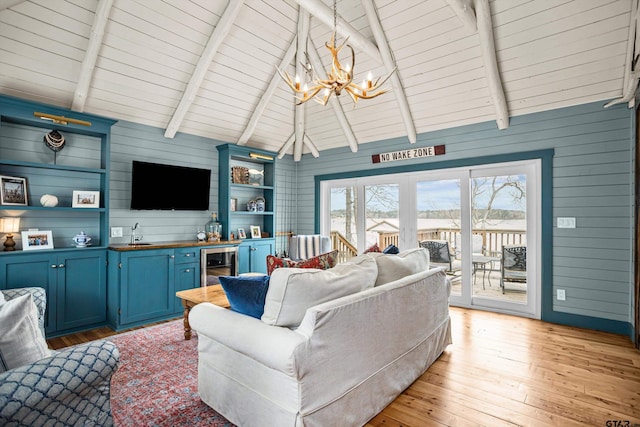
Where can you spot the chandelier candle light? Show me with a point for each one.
(338, 79)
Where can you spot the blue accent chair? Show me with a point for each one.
(69, 388)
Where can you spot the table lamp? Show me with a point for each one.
(9, 225)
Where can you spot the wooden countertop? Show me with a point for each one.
(167, 245)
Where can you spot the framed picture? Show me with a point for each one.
(234, 205)
(13, 190)
(255, 232)
(86, 199)
(37, 239)
(241, 233)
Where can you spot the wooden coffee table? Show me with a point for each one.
(192, 297)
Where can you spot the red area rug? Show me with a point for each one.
(156, 383)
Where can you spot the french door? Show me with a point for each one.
(487, 216)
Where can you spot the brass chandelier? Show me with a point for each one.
(338, 79)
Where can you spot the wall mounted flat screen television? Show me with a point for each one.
(156, 186)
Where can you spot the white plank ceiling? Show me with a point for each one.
(549, 54)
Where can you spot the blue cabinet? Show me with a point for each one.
(252, 255)
(75, 282)
(143, 284)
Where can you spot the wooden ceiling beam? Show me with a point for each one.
(266, 96)
(286, 146)
(465, 13)
(325, 14)
(91, 55)
(304, 22)
(215, 40)
(631, 76)
(316, 63)
(488, 50)
(389, 63)
(6, 4)
(313, 148)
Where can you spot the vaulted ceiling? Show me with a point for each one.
(208, 67)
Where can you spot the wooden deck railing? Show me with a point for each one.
(492, 240)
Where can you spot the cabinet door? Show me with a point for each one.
(21, 271)
(259, 251)
(244, 257)
(187, 276)
(82, 289)
(147, 290)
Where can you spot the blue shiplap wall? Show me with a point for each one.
(131, 141)
(592, 181)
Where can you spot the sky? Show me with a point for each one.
(436, 195)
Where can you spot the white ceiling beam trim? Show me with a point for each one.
(6, 4)
(389, 63)
(316, 63)
(465, 13)
(304, 21)
(217, 36)
(344, 29)
(286, 146)
(488, 50)
(91, 55)
(311, 146)
(630, 82)
(266, 96)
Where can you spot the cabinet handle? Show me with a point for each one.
(187, 255)
(187, 271)
(172, 256)
(254, 249)
(61, 266)
(54, 266)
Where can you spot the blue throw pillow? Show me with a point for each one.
(391, 249)
(246, 294)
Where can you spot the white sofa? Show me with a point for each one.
(348, 357)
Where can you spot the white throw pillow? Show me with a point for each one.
(293, 290)
(406, 263)
(21, 341)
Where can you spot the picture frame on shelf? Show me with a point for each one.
(255, 232)
(33, 240)
(13, 191)
(241, 233)
(85, 199)
(234, 205)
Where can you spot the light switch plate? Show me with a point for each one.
(566, 222)
(116, 231)
(561, 295)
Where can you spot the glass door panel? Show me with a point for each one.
(343, 209)
(499, 228)
(382, 204)
(438, 226)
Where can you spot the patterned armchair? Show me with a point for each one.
(514, 265)
(440, 255)
(68, 388)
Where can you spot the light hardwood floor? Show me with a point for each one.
(503, 371)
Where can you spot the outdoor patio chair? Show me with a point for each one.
(440, 255)
(514, 265)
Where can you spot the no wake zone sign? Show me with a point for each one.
(414, 153)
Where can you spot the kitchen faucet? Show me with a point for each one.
(135, 239)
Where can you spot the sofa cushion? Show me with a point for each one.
(322, 261)
(293, 290)
(246, 294)
(21, 340)
(406, 263)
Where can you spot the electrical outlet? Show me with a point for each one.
(561, 295)
(116, 231)
(566, 222)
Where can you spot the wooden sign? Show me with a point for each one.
(414, 153)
